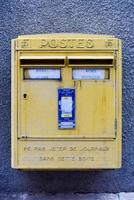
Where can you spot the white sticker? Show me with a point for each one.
(89, 74)
(44, 73)
(66, 106)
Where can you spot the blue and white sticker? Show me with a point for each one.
(66, 108)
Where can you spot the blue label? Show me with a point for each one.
(66, 108)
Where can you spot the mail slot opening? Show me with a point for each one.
(91, 61)
(42, 61)
(41, 74)
(91, 74)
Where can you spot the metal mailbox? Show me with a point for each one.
(66, 102)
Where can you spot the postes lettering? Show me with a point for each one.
(67, 43)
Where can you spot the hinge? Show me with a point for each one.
(23, 137)
(115, 60)
(115, 126)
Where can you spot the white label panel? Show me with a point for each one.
(42, 74)
(66, 106)
(88, 74)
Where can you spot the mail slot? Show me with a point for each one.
(66, 102)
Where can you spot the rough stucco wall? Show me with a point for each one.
(86, 16)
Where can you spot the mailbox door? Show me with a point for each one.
(96, 109)
(95, 83)
(39, 107)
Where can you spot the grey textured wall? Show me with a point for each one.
(52, 16)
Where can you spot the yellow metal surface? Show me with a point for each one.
(95, 142)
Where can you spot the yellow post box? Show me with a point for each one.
(66, 102)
